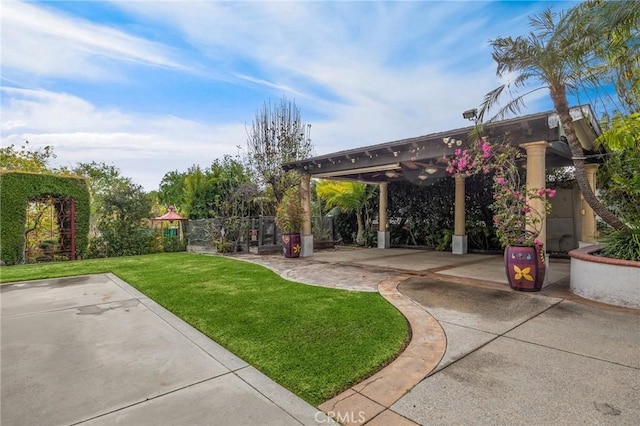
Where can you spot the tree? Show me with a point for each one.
(547, 56)
(278, 136)
(621, 180)
(171, 191)
(349, 197)
(101, 179)
(124, 229)
(231, 187)
(196, 200)
(26, 159)
(606, 39)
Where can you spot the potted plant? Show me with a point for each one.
(515, 219)
(289, 220)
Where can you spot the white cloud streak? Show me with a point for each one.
(42, 42)
(362, 73)
(144, 147)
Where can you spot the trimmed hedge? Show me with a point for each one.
(17, 189)
(427, 213)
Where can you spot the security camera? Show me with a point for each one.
(470, 114)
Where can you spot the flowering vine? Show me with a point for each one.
(515, 219)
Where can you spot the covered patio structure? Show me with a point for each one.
(425, 157)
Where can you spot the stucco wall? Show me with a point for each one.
(611, 281)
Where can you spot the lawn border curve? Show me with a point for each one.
(374, 395)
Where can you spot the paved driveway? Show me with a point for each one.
(93, 350)
(516, 358)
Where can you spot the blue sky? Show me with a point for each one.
(155, 86)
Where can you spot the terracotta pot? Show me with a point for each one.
(525, 266)
(291, 245)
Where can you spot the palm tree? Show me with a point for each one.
(349, 197)
(606, 38)
(546, 56)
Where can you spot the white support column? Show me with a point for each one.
(307, 236)
(459, 242)
(536, 179)
(589, 230)
(383, 226)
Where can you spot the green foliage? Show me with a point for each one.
(346, 227)
(26, 159)
(172, 190)
(423, 215)
(315, 341)
(348, 197)
(171, 243)
(289, 213)
(17, 189)
(231, 188)
(620, 184)
(101, 178)
(222, 190)
(622, 133)
(232, 229)
(196, 196)
(605, 37)
(622, 244)
(124, 229)
(224, 246)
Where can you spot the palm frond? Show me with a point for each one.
(490, 99)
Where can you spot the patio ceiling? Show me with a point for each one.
(424, 158)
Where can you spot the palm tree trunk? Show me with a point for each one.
(559, 98)
(360, 232)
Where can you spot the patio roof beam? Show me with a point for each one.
(383, 168)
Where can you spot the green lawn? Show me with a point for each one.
(314, 341)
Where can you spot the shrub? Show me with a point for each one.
(624, 244)
(18, 188)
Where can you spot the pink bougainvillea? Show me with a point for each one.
(516, 219)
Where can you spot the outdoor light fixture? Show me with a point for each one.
(470, 114)
(431, 169)
(391, 174)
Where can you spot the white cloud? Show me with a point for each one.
(143, 147)
(390, 69)
(361, 73)
(38, 41)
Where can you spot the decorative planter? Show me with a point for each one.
(291, 245)
(603, 279)
(525, 267)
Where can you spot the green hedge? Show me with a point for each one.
(426, 213)
(17, 189)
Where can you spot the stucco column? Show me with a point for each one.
(589, 230)
(459, 240)
(305, 194)
(383, 232)
(536, 179)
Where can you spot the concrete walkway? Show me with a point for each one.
(510, 358)
(93, 350)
